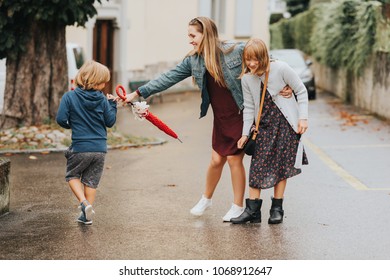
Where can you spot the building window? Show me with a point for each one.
(243, 27)
(216, 10)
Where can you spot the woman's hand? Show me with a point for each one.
(286, 92)
(302, 126)
(128, 99)
(242, 141)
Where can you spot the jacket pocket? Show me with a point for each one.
(234, 62)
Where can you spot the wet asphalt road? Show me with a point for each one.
(338, 208)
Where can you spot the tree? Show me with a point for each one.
(297, 6)
(33, 41)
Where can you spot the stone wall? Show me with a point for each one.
(369, 91)
(5, 166)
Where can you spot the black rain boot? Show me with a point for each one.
(276, 213)
(251, 214)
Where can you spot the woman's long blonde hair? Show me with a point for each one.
(255, 49)
(92, 74)
(209, 47)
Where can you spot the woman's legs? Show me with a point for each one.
(237, 172)
(214, 172)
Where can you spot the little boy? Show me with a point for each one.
(87, 112)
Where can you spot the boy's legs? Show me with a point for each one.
(77, 188)
(90, 194)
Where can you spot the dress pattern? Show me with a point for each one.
(276, 149)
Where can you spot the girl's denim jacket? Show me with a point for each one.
(195, 66)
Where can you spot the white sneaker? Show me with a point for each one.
(234, 212)
(202, 205)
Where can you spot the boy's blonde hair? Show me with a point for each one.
(210, 48)
(92, 74)
(255, 49)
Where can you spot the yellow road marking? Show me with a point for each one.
(347, 177)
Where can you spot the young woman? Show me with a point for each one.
(279, 152)
(215, 67)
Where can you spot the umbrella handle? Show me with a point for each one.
(121, 92)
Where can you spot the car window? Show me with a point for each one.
(79, 56)
(293, 59)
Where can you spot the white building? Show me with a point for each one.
(139, 39)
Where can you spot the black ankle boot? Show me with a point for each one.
(276, 213)
(251, 214)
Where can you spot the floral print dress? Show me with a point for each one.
(276, 149)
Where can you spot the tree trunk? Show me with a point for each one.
(37, 78)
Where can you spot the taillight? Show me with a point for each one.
(72, 85)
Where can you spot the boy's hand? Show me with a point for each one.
(111, 97)
(242, 141)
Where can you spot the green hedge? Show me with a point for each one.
(339, 34)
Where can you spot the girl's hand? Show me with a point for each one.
(242, 141)
(286, 92)
(302, 126)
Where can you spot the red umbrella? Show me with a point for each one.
(143, 112)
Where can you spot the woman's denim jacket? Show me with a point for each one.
(195, 66)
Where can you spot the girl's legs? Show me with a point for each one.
(254, 193)
(252, 211)
(279, 189)
(277, 212)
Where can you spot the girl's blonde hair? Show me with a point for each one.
(210, 48)
(92, 74)
(255, 49)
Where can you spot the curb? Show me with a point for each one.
(159, 141)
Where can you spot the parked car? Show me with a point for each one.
(295, 58)
(75, 57)
(2, 82)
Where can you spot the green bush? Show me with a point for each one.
(339, 34)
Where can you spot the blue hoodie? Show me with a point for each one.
(87, 113)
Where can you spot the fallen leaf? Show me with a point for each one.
(33, 157)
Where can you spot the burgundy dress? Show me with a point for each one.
(227, 126)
